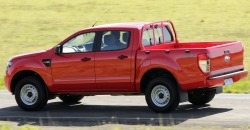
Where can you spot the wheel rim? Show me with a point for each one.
(29, 94)
(160, 96)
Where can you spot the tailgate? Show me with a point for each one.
(226, 58)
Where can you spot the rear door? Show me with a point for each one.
(113, 61)
(73, 69)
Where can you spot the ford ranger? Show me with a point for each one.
(137, 58)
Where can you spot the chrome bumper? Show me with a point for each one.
(229, 75)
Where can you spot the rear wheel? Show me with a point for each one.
(30, 94)
(162, 95)
(70, 98)
(201, 97)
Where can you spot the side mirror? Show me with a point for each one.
(58, 49)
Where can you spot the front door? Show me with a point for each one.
(73, 69)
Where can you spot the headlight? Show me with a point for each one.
(9, 63)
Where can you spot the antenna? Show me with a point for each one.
(101, 17)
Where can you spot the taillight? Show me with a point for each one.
(204, 63)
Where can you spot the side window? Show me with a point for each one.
(167, 34)
(115, 40)
(147, 37)
(162, 35)
(158, 35)
(81, 43)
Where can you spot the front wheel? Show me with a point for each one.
(162, 95)
(201, 96)
(30, 94)
(70, 98)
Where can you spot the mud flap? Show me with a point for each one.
(219, 90)
(183, 96)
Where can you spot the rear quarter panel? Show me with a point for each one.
(182, 65)
(182, 61)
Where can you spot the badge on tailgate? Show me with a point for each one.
(227, 58)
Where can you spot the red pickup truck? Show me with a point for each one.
(126, 59)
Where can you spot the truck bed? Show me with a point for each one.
(218, 52)
(224, 56)
(189, 45)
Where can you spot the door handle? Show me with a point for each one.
(85, 59)
(147, 52)
(122, 57)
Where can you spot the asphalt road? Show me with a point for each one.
(226, 110)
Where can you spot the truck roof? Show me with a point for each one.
(136, 25)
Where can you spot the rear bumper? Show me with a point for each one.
(219, 80)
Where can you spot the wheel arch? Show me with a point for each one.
(25, 73)
(153, 73)
(161, 72)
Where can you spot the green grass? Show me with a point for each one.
(28, 25)
(1, 83)
(5, 127)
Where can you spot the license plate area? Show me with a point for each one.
(228, 81)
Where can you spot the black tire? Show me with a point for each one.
(70, 98)
(158, 89)
(201, 97)
(30, 94)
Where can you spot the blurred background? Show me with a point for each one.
(28, 25)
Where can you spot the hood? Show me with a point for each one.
(32, 54)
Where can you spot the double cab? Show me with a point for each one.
(136, 58)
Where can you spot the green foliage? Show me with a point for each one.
(28, 25)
